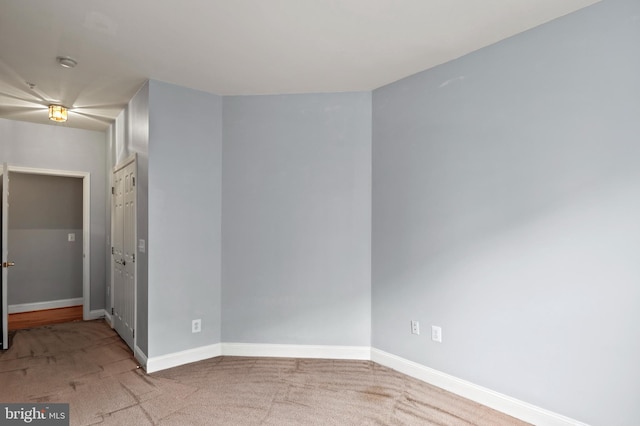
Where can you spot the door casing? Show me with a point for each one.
(86, 227)
(4, 258)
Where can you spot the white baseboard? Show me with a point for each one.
(96, 314)
(296, 351)
(140, 356)
(40, 306)
(503, 403)
(108, 318)
(258, 350)
(163, 362)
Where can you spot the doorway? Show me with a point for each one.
(75, 240)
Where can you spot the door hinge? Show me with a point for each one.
(111, 311)
(113, 191)
(133, 180)
(134, 257)
(112, 251)
(134, 333)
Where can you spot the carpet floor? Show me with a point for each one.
(88, 366)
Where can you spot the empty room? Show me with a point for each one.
(320, 212)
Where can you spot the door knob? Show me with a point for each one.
(7, 264)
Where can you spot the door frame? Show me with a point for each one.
(124, 163)
(5, 273)
(86, 226)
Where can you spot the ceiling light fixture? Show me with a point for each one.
(57, 113)
(66, 61)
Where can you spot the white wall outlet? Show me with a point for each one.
(436, 333)
(71, 237)
(196, 326)
(415, 327)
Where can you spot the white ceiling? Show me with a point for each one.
(232, 47)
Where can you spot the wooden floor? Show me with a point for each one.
(44, 317)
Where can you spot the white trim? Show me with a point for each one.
(41, 306)
(124, 163)
(5, 227)
(49, 172)
(163, 362)
(86, 225)
(86, 242)
(140, 356)
(109, 199)
(108, 318)
(503, 403)
(258, 350)
(95, 314)
(296, 351)
(135, 251)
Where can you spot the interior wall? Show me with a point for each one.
(58, 147)
(506, 198)
(137, 137)
(129, 136)
(296, 219)
(185, 140)
(44, 211)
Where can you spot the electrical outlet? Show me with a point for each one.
(196, 326)
(436, 333)
(415, 327)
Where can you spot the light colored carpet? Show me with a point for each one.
(87, 365)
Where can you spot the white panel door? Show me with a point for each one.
(124, 197)
(129, 248)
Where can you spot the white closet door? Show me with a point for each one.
(124, 250)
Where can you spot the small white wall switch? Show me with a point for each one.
(141, 246)
(415, 327)
(436, 333)
(71, 237)
(196, 326)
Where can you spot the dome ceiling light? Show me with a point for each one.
(66, 61)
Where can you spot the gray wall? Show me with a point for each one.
(63, 148)
(43, 211)
(129, 136)
(137, 137)
(506, 198)
(297, 214)
(185, 138)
